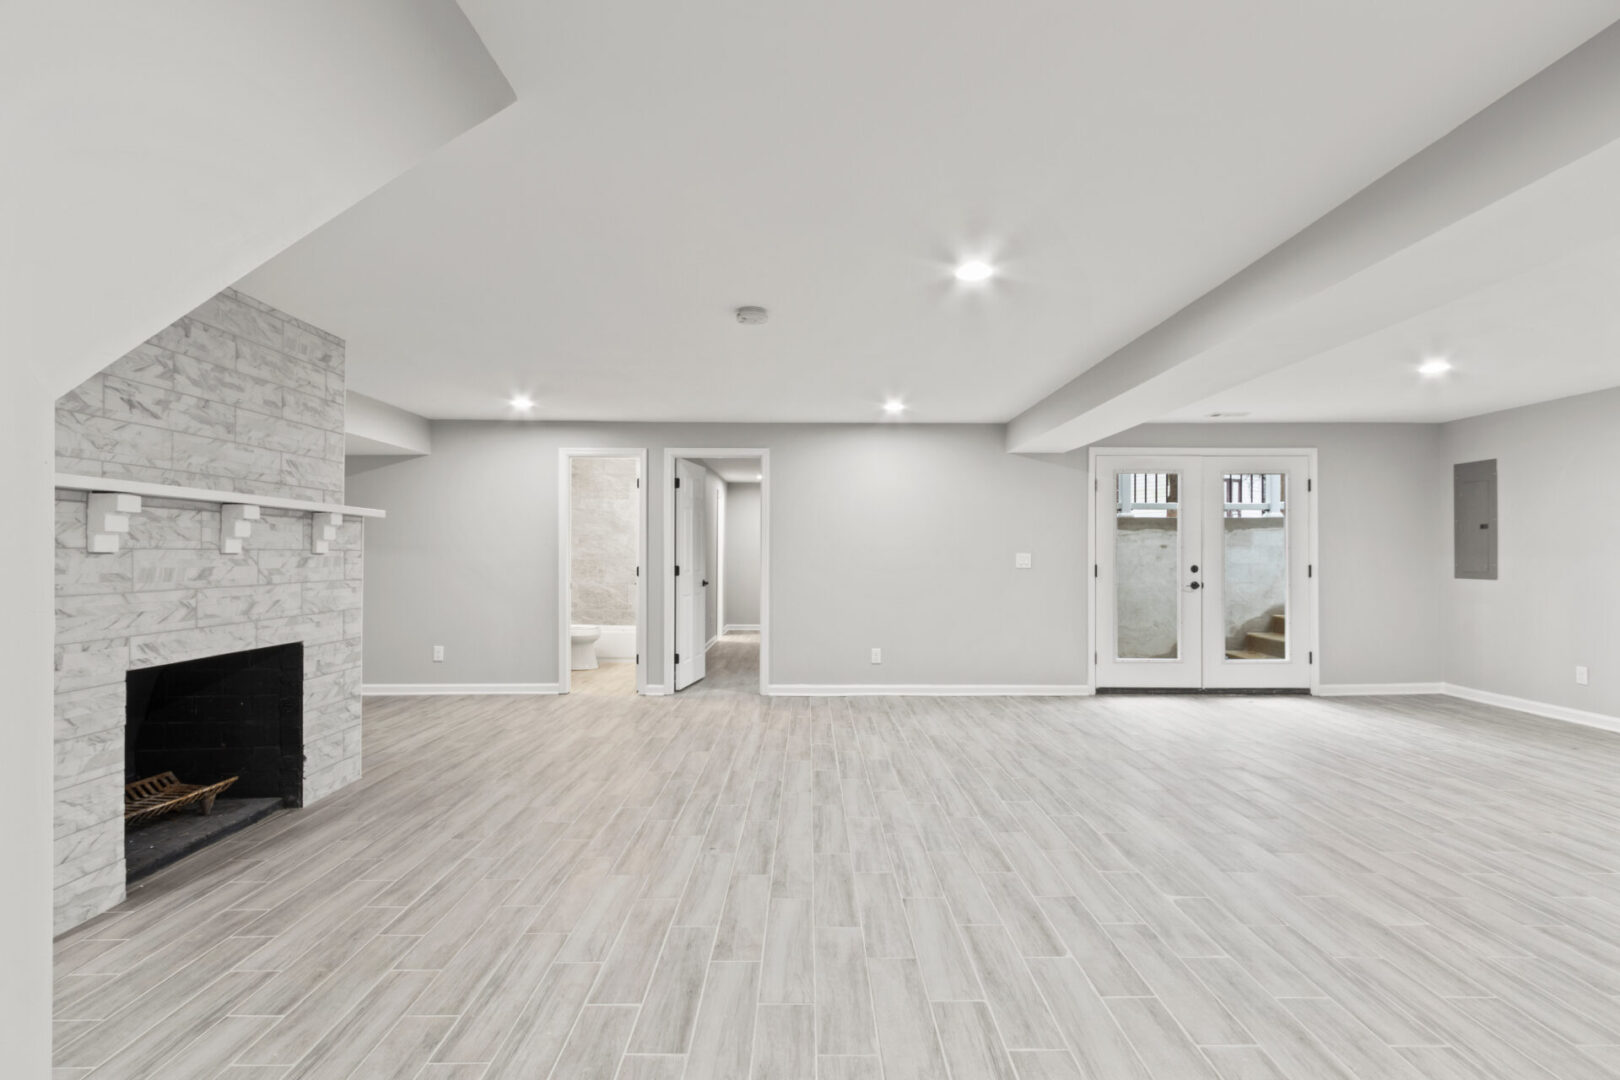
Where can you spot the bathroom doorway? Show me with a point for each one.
(602, 585)
(716, 583)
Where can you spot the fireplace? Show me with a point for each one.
(240, 714)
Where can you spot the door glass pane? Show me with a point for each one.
(1254, 585)
(1147, 595)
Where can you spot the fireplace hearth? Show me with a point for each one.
(240, 714)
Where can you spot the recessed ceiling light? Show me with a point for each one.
(974, 271)
(522, 402)
(894, 406)
(1435, 365)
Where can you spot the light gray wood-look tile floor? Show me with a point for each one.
(716, 885)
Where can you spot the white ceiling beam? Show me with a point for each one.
(157, 152)
(1525, 181)
(376, 428)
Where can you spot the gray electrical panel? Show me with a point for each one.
(1473, 508)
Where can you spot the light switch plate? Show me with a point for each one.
(1023, 561)
(877, 656)
(438, 654)
(1580, 674)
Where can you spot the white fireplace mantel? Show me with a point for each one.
(72, 482)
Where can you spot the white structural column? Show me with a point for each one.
(26, 632)
(159, 161)
(1523, 182)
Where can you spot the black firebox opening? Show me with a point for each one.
(240, 714)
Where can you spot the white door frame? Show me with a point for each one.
(1314, 624)
(565, 555)
(667, 530)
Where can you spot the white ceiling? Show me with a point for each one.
(1550, 333)
(666, 163)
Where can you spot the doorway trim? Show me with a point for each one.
(667, 547)
(565, 556)
(1314, 624)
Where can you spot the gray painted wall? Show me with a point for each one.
(604, 520)
(899, 536)
(741, 567)
(1556, 600)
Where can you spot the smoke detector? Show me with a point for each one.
(752, 315)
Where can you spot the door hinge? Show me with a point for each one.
(1096, 658)
(638, 571)
(677, 658)
(677, 569)
(638, 658)
(1096, 570)
(677, 481)
(1309, 484)
(1310, 657)
(1310, 569)
(638, 481)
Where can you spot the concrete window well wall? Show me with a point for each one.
(1147, 587)
(1255, 575)
(1254, 564)
(604, 542)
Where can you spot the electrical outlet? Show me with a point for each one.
(877, 656)
(438, 654)
(1580, 674)
(1022, 561)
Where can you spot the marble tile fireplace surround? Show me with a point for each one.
(233, 403)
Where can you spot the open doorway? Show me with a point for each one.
(716, 588)
(602, 514)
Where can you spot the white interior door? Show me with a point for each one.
(691, 629)
(1149, 557)
(1257, 587)
(1202, 572)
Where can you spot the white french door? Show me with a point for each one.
(691, 606)
(1202, 570)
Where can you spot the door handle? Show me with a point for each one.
(705, 583)
(1194, 585)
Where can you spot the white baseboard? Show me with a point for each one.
(740, 628)
(1378, 689)
(655, 690)
(940, 690)
(1535, 708)
(710, 644)
(447, 689)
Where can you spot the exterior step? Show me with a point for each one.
(1269, 642)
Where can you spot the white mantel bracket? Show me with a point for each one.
(107, 520)
(323, 529)
(235, 525)
(113, 500)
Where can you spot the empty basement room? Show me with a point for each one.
(979, 542)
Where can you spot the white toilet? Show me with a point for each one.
(582, 646)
